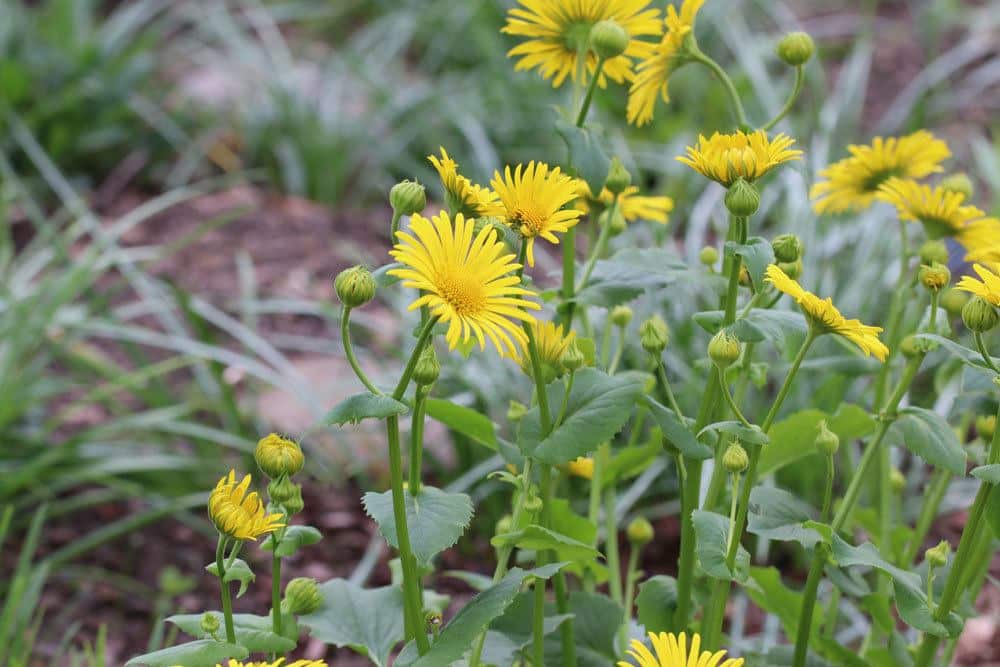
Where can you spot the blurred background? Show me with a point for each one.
(181, 180)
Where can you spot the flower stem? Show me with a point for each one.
(589, 97)
(800, 77)
(631, 575)
(729, 397)
(981, 346)
(538, 625)
(727, 83)
(422, 338)
(275, 594)
(417, 441)
(611, 545)
(602, 241)
(661, 374)
(815, 575)
(345, 338)
(227, 601)
(933, 495)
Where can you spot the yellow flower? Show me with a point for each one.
(280, 662)
(469, 283)
(238, 514)
(631, 205)
(533, 199)
(653, 73)
(982, 240)
(551, 342)
(672, 651)
(941, 211)
(582, 466)
(724, 158)
(558, 32)
(826, 317)
(988, 287)
(852, 183)
(462, 195)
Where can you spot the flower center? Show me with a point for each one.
(531, 222)
(876, 179)
(462, 292)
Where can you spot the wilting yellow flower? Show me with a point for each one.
(852, 183)
(533, 199)
(464, 196)
(558, 32)
(724, 158)
(582, 466)
(942, 212)
(672, 651)
(238, 514)
(653, 73)
(280, 662)
(631, 205)
(551, 342)
(469, 283)
(988, 287)
(826, 317)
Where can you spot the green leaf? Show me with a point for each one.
(971, 358)
(465, 421)
(436, 519)
(776, 514)
(295, 538)
(993, 510)
(513, 631)
(988, 473)
(537, 538)
(237, 571)
(631, 271)
(794, 437)
(599, 405)
(928, 435)
(368, 621)
(771, 595)
(201, 653)
(571, 524)
(586, 154)
(596, 619)
(677, 433)
(629, 462)
(365, 405)
(254, 633)
(656, 602)
(750, 435)
(782, 327)
(757, 254)
(712, 531)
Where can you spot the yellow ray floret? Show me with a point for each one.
(825, 316)
(724, 158)
(653, 73)
(550, 341)
(558, 34)
(670, 650)
(942, 212)
(582, 466)
(238, 514)
(280, 662)
(631, 205)
(981, 239)
(533, 199)
(988, 287)
(851, 184)
(463, 195)
(468, 282)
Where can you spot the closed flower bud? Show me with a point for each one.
(911, 347)
(516, 411)
(621, 316)
(505, 524)
(277, 456)
(979, 315)
(938, 556)
(639, 531)
(953, 300)
(407, 198)
(533, 503)
(827, 442)
(428, 369)
(608, 39)
(897, 482)
(294, 503)
(934, 252)
(959, 182)
(735, 459)
(618, 177)
(355, 286)
(934, 277)
(787, 248)
(654, 334)
(572, 358)
(282, 490)
(986, 426)
(792, 269)
(302, 596)
(724, 349)
(796, 48)
(742, 199)
(209, 623)
(582, 466)
(708, 256)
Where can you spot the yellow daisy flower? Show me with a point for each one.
(852, 183)
(942, 212)
(462, 195)
(985, 254)
(469, 283)
(238, 514)
(982, 240)
(672, 651)
(825, 315)
(280, 662)
(631, 205)
(550, 341)
(653, 73)
(582, 466)
(533, 200)
(724, 158)
(558, 31)
(988, 287)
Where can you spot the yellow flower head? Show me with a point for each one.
(551, 342)
(533, 198)
(582, 466)
(558, 32)
(988, 287)
(982, 240)
(826, 317)
(280, 662)
(852, 183)
(462, 195)
(631, 205)
(653, 73)
(941, 211)
(724, 158)
(238, 514)
(672, 651)
(469, 283)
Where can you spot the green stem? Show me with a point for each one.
(619, 350)
(417, 440)
(631, 575)
(661, 373)
(614, 558)
(800, 77)
(345, 337)
(602, 241)
(727, 83)
(276, 595)
(227, 601)
(981, 346)
(568, 292)
(832, 612)
(565, 402)
(394, 225)
(729, 397)
(589, 97)
(735, 480)
(538, 625)
(422, 338)
(933, 496)
(815, 576)
(594, 504)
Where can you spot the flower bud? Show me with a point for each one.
(744, 278)
(979, 315)
(796, 48)
(724, 349)
(533, 503)
(428, 369)
(582, 466)
(654, 334)
(911, 347)
(618, 177)
(505, 524)
(302, 596)
(827, 442)
(355, 286)
(621, 316)
(617, 223)
(787, 248)
(953, 300)
(792, 269)
(407, 198)
(209, 623)
(516, 411)
(897, 482)
(277, 456)
(708, 256)
(938, 556)
(986, 426)
(608, 39)
(958, 182)
(572, 358)
(735, 459)
(281, 490)
(742, 199)
(934, 277)
(639, 531)
(934, 251)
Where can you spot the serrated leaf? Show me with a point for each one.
(237, 571)
(749, 435)
(537, 538)
(294, 538)
(365, 405)
(436, 519)
(677, 433)
(794, 437)
(586, 154)
(465, 421)
(757, 255)
(656, 602)
(201, 653)
(776, 514)
(912, 607)
(631, 271)
(254, 633)
(988, 473)
(712, 531)
(928, 435)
